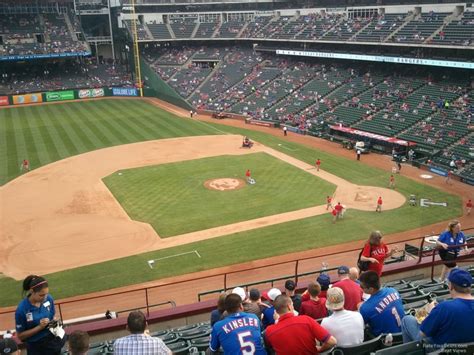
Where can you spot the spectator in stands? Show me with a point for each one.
(315, 307)
(296, 334)
(268, 313)
(449, 322)
(139, 341)
(346, 326)
(351, 289)
(375, 251)
(217, 314)
(249, 307)
(325, 281)
(354, 274)
(453, 236)
(8, 347)
(33, 315)
(239, 332)
(290, 287)
(78, 342)
(254, 300)
(383, 311)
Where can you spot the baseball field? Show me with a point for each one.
(115, 183)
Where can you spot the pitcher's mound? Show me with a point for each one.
(224, 184)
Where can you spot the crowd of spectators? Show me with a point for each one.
(38, 34)
(62, 75)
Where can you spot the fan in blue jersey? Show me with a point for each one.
(239, 332)
(383, 311)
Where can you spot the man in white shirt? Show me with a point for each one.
(346, 326)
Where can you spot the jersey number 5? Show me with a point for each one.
(246, 346)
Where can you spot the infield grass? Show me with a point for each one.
(46, 133)
(173, 199)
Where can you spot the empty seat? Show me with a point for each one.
(180, 347)
(200, 343)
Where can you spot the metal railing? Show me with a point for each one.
(145, 291)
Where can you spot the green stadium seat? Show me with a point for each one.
(180, 347)
(412, 348)
(365, 348)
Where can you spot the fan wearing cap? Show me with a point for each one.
(33, 315)
(290, 287)
(269, 313)
(8, 346)
(324, 281)
(239, 332)
(296, 334)
(346, 326)
(450, 322)
(351, 289)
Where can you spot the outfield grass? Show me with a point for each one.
(22, 135)
(163, 194)
(46, 133)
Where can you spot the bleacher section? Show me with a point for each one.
(419, 29)
(38, 34)
(206, 29)
(159, 31)
(458, 32)
(183, 29)
(344, 30)
(229, 29)
(380, 28)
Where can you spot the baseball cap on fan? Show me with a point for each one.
(273, 293)
(241, 292)
(335, 299)
(460, 277)
(8, 346)
(290, 285)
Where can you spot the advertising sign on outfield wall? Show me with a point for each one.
(60, 95)
(4, 101)
(27, 99)
(124, 92)
(84, 94)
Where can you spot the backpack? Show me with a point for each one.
(364, 265)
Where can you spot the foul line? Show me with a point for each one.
(282, 146)
(151, 262)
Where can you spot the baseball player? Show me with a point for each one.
(318, 164)
(468, 207)
(334, 215)
(328, 202)
(338, 209)
(25, 165)
(449, 177)
(248, 175)
(239, 332)
(391, 184)
(379, 204)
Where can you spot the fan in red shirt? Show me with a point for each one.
(376, 252)
(352, 291)
(379, 204)
(318, 164)
(296, 334)
(315, 307)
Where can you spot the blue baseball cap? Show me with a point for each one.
(324, 280)
(342, 270)
(460, 277)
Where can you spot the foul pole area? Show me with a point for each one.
(136, 51)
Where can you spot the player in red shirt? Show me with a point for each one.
(379, 204)
(376, 252)
(334, 215)
(318, 164)
(391, 184)
(338, 209)
(328, 202)
(248, 174)
(449, 177)
(468, 207)
(25, 165)
(296, 334)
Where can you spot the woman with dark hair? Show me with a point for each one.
(453, 236)
(33, 316)
(375, 252)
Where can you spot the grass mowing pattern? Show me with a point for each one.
(163, 194)
(46, 133)
(245, 246)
